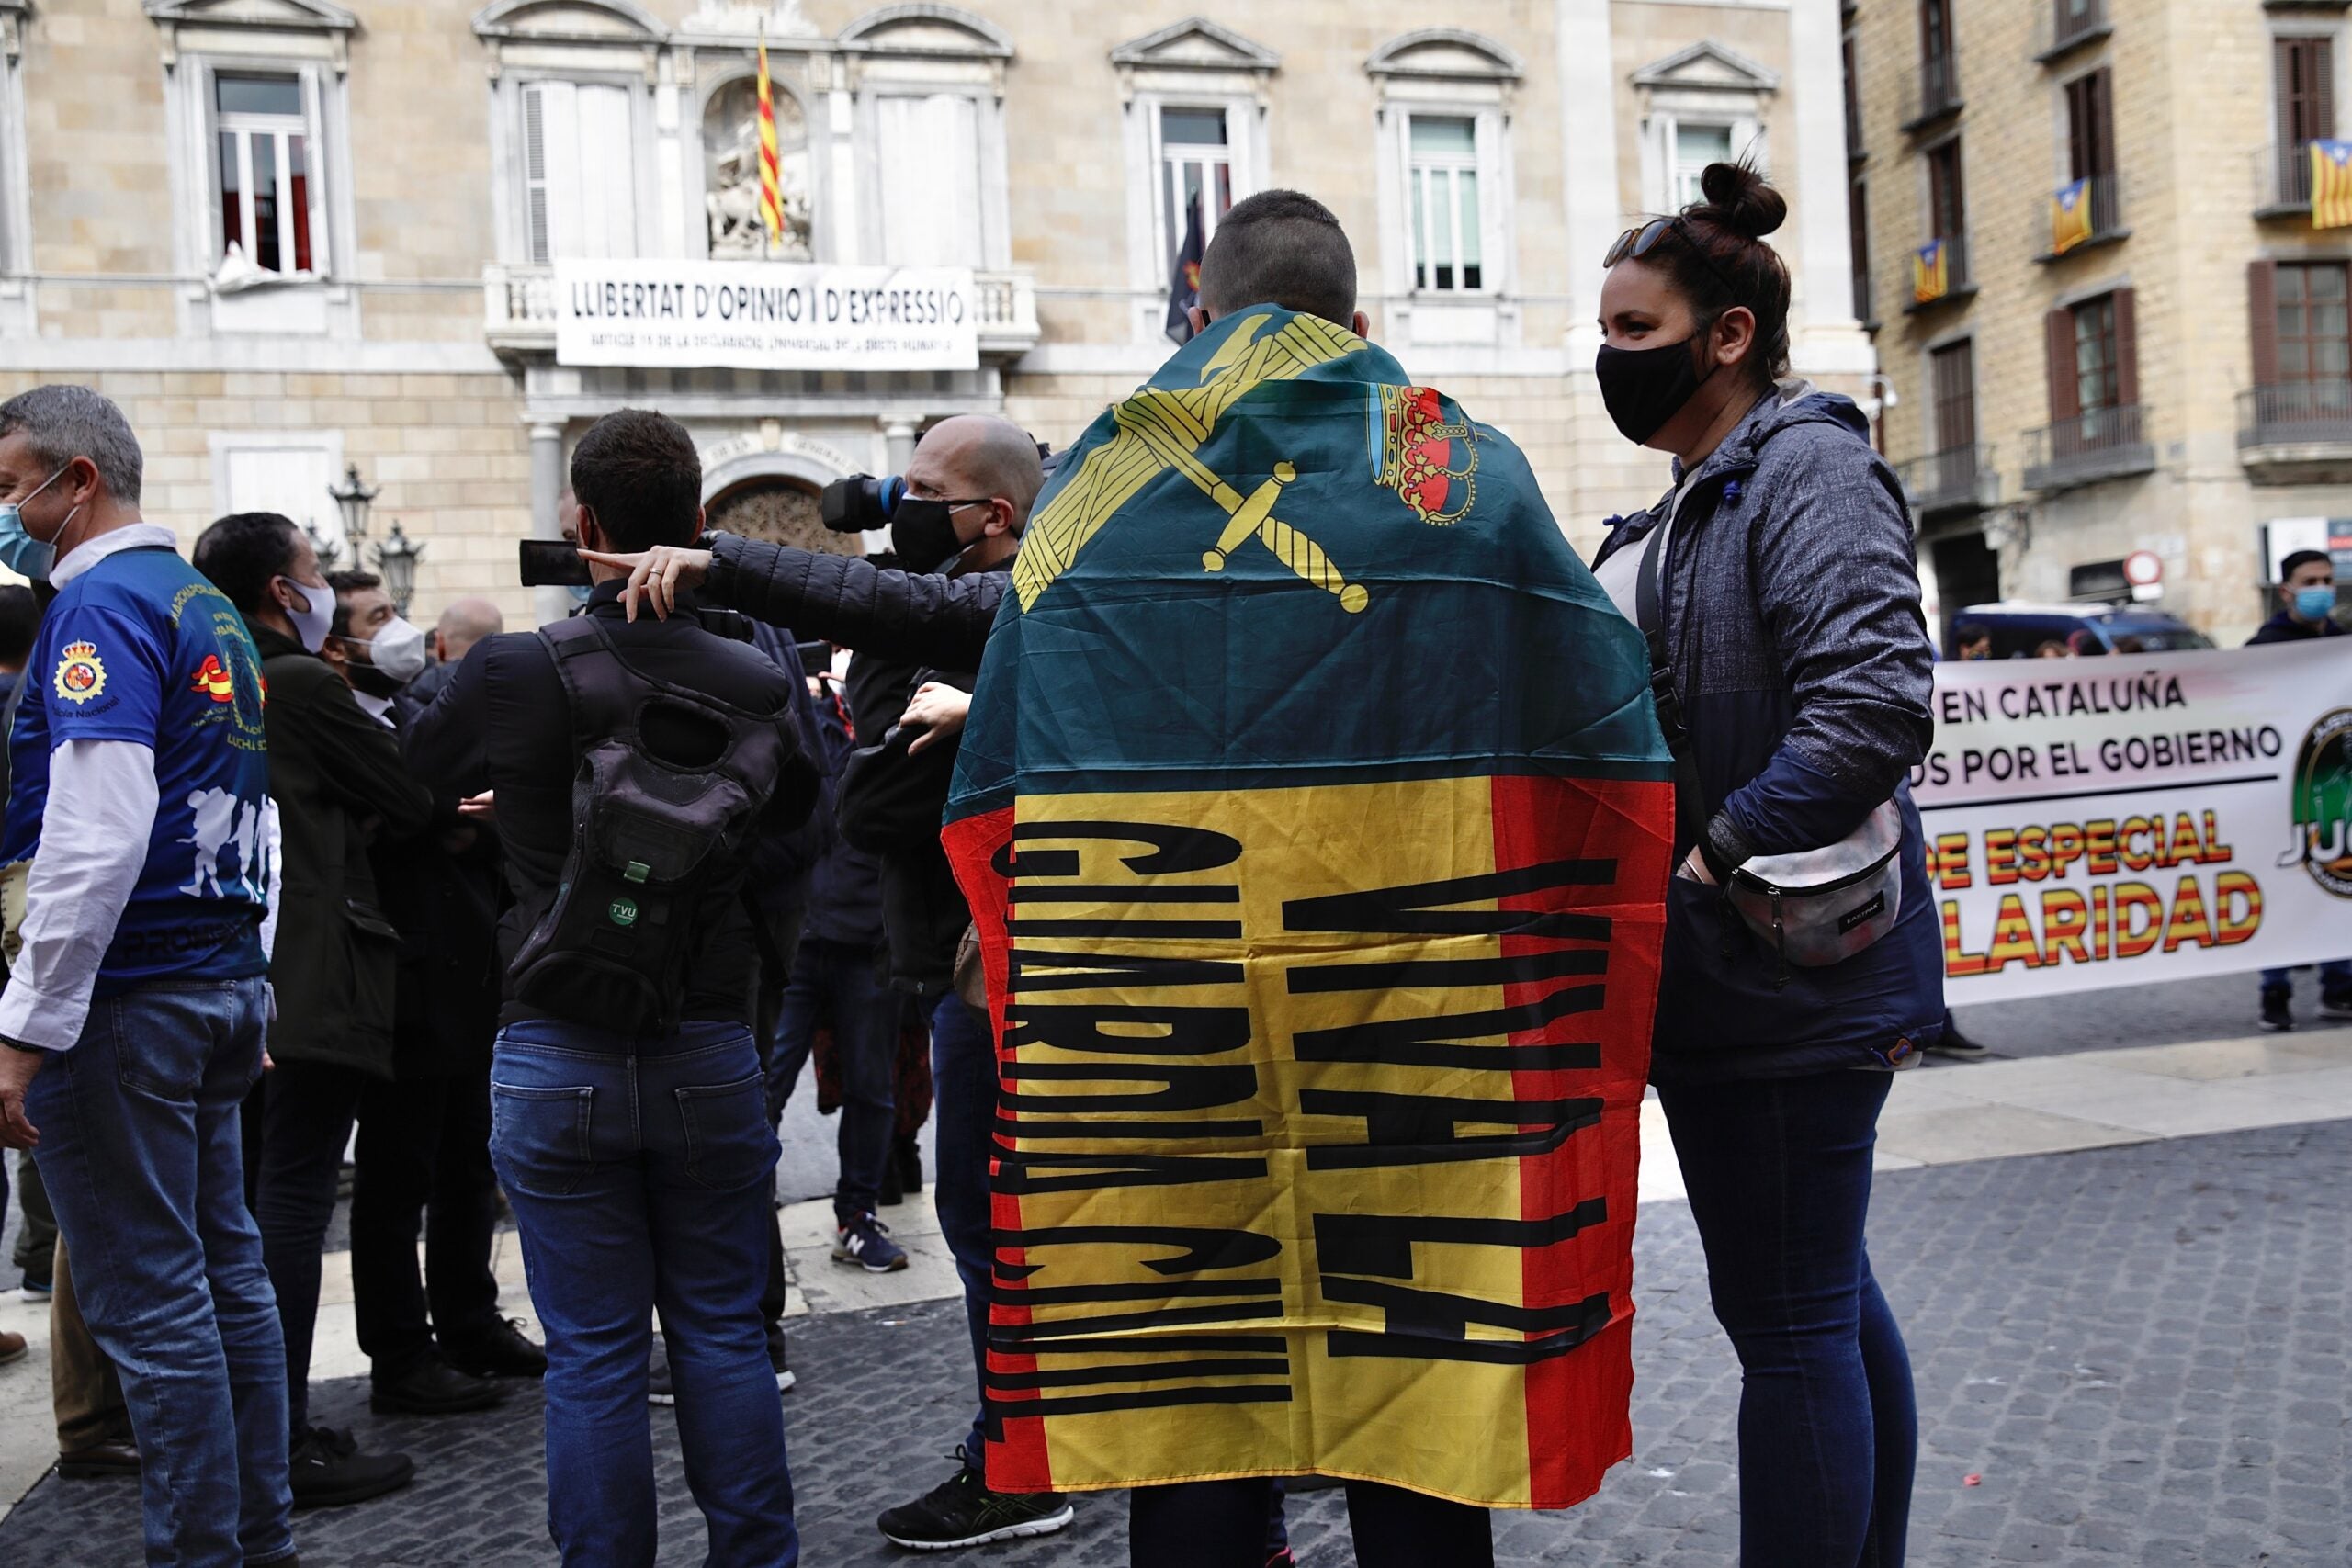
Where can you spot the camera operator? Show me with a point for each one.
(956, 523)
(629, 1125)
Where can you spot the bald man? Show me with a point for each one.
(465, 623)
(919, 635)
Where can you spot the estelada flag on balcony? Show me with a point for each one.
(2331, 184)
(1931, 273)
(1313, 814)
(2070, 217)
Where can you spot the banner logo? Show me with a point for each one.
(2322, 802)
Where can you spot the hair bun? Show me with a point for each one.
(1739, 199)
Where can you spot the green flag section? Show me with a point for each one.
(1315, 821)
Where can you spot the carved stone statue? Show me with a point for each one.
(732, 133)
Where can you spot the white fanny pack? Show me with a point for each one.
(1821, 907)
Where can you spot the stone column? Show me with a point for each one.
(547, 487)
(1588, 162)
(1824, 279)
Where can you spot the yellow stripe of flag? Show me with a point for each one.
(2070, 217)
(771, 198)
(1930, 273)
(2331, 184)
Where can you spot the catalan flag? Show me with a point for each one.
(2070, 217)
(1322, 1010)
(770, 197)
(2331, 184)
(1931, 273)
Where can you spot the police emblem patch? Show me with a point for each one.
(81, 675)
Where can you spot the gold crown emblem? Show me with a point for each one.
(80, 652)
(81, 675)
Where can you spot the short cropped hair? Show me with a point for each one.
(345, 582)
(2299, 559)
(19, 620)
(241, 553)
(1281, 247)
(65, 421)
(639, 472)
(1971, 631)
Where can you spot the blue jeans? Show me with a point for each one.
(963, 1083)
(835, 982)
(2335, 979)
(639, 1170)
(141, 1153)
(1779, 1172)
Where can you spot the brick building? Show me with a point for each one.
(2162, 364)
(294, 238)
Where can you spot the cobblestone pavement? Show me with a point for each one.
(2220, 1007)
(2140, 1351)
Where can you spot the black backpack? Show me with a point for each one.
(651, 834)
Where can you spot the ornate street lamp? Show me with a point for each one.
(396, 559)
(326, 550)
(353, 499)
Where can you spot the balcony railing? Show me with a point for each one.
(1961, 479)
(2104, 200)
(2098, 443)
(518, 304)
(1935, 93)
(2062, 23)
(2292, 422)
(2282, 179)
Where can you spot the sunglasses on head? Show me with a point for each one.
(1636, 244)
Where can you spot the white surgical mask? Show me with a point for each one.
(311, 624)
(397, 650)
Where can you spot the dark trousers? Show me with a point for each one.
(1779, 1172)
(962, 1072)
(307, 1113)
(424, 1164)
(1222, 1524)
(837, 981)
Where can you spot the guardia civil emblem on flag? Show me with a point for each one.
(1314, 819)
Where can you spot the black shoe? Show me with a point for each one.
(962, 1511)
(2336, 1007)
(2278, 1014)
(498, 1350)
(908, 1159)
(1959, 1047)
(430, 1386)
(329, 1471)
(777, 1359)
(100, 1462)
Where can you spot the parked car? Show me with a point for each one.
(2024, 631)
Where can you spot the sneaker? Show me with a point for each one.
(658, 1387)
(2336, 1007)
(99, 1461)
(962, 1511)
(430, 1386)
(2277, 1015)
(329, 1471)
(866, 1241)
(41, 1289)
(499, 1349)
(12, 1348)
(777, 1359)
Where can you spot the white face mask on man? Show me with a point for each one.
(397, 650)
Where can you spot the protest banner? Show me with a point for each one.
(2097, 822)
(764, 315)
(1323, 989)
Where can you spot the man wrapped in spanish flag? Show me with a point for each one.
(1315, 820)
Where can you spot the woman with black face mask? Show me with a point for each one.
(1775, 583)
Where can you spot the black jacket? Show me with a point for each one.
(845, 889)
(338, 780)
(906, 628)
(442, 891)
(2284, 627)
(504, 725)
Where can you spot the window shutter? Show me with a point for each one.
(2102, 102)
(316, 161)
(2127, 350)
(538, 238)
(2065, 401)
(606, 186)
(2262, 320)
(2319, 54)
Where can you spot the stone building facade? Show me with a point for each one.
(294, 238)
(2163, 366)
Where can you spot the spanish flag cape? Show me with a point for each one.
(1314, 817)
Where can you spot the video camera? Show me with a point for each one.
(862, 502)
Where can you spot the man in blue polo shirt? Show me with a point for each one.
(132, 1027)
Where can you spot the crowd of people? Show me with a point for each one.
(554, 920)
